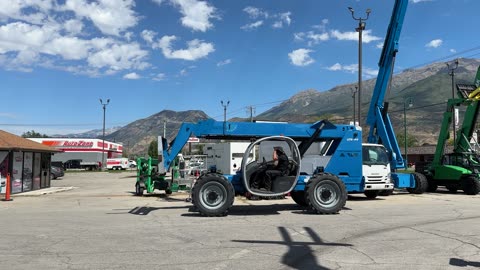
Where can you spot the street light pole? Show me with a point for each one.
(451, 72)
(410, 104)
(359, 29)
(104, 105)
(225, 105)
(353, 96)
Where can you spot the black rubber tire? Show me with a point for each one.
(299, 197)
(385, 192)
(139, 189)
(213, 195)
(452, 188)
(431, 184)
(421, 184)
(326, 194)
(371, 194)
(470, 185)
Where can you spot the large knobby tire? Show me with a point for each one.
(371, 194)
(139, 189)
(298, 196)
(470, 185)
(421, 184)
(431, 184)
(213, 195)
(326, 194)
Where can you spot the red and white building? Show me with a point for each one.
(88, 150)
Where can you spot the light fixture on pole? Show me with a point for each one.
(359, 29)
(451, 72)
(408, 100)
(225, 105)
(104, 105)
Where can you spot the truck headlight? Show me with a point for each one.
(389, 178)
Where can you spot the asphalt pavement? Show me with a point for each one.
(92, 220)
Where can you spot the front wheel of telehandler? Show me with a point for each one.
(326, 194)
(213, 195)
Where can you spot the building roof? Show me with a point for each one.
(10, 141)
(426, 150)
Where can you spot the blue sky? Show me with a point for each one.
(58, 57)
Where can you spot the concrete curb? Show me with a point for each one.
(44, 191)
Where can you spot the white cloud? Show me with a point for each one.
(131, 76)
(148, 36)
(255, 13)
(196, 49)
(224, 62)
(109, 16)
(73, 26)
(251, 26)
(196, 14)
(17, 9)
(301, 57)
(379, 45)
(119, 57)
(160, 77)
(434, 43)
(8, 115)
(366, 36)
(353, 68)
(283, 18)
(322, 26)
(312, 37)
(453, 50)
(418, 1)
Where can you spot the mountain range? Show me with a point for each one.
(428, 87)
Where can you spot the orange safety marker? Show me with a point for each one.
(7, 191)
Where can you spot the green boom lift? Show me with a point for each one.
(461, 168)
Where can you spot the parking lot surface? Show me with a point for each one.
(96, 222)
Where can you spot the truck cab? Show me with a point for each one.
(376, 169)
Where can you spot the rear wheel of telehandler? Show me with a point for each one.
(139, 189)
(470, 185)
(421, 184)
(213, 195)
(326, 194)
(299, 197)
(371, 194)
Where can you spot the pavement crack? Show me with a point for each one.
(445, 236)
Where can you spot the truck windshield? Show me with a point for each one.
(374, 155)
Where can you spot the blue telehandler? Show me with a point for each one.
(326, 161)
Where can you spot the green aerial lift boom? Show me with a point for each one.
(461, 168)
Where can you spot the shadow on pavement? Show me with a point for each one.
(300, 254)
(463, 263)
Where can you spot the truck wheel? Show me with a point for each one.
(470, 185)
(213, 195)
(371, 194)
(421, 184)
(139, 189)
(326, 194)
(298, 196)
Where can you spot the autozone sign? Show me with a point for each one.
(77, 144)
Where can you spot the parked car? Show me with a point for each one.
(132, 163)
(56, 172)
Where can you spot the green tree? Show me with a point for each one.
(153, 149)
(33, 134)
(411, 140)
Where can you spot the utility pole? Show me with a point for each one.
(104, 105)
(353, 96)
(451, 72)
(164, 129)
(251, 111)
(359, 29)
(225, 105)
